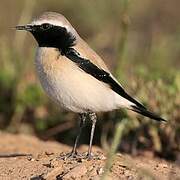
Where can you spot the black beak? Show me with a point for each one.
(25, 27)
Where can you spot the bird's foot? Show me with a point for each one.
(75, 156)
(96, 156)
(89, 156)
(81, 156)
(70, 155)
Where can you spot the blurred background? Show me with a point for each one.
(140, 42)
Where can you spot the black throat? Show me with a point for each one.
(53, 36)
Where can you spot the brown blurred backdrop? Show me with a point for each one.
(140, 42)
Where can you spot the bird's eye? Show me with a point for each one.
(45, 26)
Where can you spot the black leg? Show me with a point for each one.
(82, 122)
(93, 118)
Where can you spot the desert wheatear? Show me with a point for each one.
(73, 75)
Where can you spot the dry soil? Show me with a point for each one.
(26, 157)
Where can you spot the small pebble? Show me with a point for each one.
(100, 171)
(48, 153)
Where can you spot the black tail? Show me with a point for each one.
(146, 113)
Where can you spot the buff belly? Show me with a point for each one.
(72, 88)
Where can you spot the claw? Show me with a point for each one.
(70, 155)
(89, 157)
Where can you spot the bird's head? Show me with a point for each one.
(52, 30)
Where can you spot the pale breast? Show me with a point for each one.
(69, 86)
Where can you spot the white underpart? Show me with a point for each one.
(71, 87)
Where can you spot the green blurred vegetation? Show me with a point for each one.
(140, 42)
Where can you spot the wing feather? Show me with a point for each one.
(100, 74)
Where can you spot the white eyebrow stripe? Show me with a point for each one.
(53, 22)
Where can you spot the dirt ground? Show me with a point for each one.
(41, 160)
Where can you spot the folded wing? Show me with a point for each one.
(100, 74)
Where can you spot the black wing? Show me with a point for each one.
(99, 74)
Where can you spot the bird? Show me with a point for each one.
(74, 76)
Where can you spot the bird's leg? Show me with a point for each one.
(93, 118)
(82, 122)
